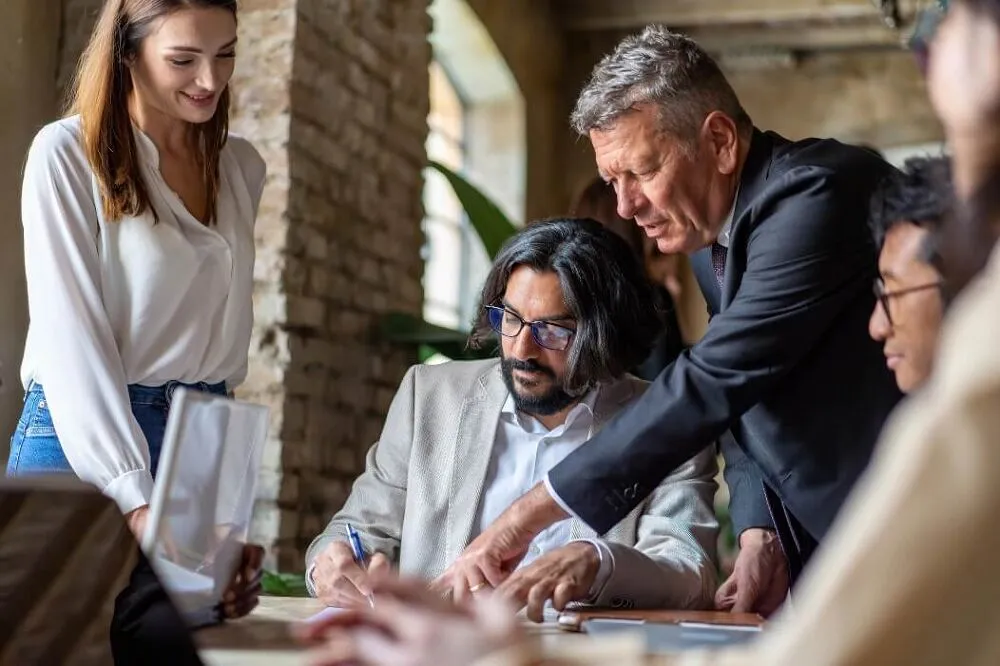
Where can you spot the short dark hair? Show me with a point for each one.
(603, 284)
(919, 193)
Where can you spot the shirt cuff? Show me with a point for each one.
(555, 496)
(312, 554)
(604, 571)
(131, 490)
(310, 583)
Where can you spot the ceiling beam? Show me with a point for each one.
(802, 38)
(608, 14)
(739, 40)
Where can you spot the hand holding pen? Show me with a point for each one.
(341, 572)
(359, 556)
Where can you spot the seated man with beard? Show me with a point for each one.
(572, 310)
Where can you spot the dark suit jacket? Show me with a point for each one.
(787, 364)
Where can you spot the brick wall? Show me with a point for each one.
(335, 96)
(358, 108)
(261, 100)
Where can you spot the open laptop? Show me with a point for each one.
(65, 555)
(203, 498)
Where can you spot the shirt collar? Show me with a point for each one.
(146, 147)
(727, 227)
(583, 409)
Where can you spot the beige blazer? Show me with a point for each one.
(908, 574)
(418, 498)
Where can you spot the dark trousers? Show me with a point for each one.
(147, 628)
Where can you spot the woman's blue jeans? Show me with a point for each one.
(35, 447)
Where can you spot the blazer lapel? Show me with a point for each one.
(701, 266)
(477, 429)
(753, 179)
(611, 398)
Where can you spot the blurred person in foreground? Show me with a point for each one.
(907, 576)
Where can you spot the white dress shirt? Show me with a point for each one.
(522, 455)
(130, 302)
(727, 226)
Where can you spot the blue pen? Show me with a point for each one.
(359, 555)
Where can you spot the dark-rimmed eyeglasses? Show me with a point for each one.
(545, 333)
(884, 296)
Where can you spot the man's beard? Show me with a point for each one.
(551, 401)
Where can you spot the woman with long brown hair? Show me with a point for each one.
(138, 213)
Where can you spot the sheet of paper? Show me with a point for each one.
(720, 627)
(327, 612)
(549, 614)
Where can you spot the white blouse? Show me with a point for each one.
(130, 302)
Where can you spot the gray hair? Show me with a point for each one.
(663, 68)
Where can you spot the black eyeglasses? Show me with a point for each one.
(546, 334)
(883, 296)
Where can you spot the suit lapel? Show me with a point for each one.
(753, 179)
(611, 398)
(701, 265)
(477, 430)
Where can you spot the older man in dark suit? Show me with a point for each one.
(778, 236)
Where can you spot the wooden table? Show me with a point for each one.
(263, 638)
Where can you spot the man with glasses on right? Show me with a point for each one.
(907, 212)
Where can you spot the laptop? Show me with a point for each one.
(65, 555)
(203, 497)
(670, 638)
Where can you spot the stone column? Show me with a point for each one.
(358, 122)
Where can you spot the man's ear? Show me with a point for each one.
(721, 136)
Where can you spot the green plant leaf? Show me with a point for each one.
(430, 339)
(404, 327)
(283, 584)
(491, 225)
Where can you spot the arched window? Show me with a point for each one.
(448, 252)
(476, 127)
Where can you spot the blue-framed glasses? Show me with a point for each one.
(546, 334)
